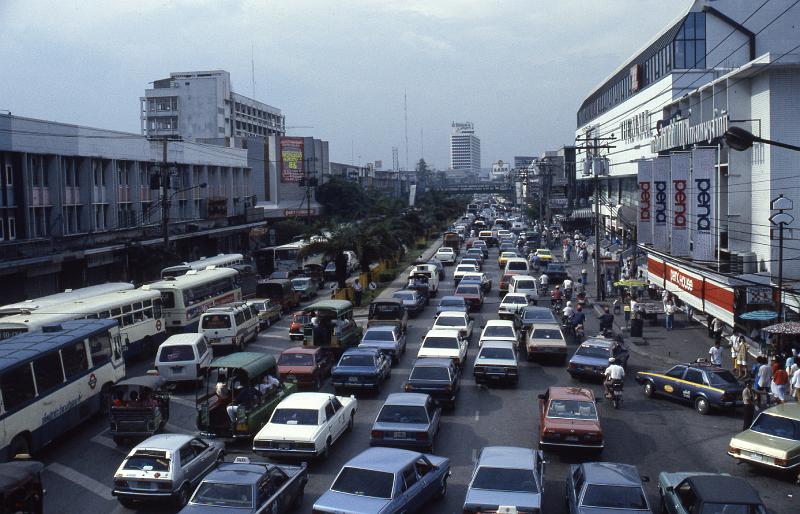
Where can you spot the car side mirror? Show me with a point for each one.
(645, 478)
(542, 396)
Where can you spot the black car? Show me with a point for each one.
(436, 377)
(556, 272)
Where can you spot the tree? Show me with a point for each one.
(342, 199)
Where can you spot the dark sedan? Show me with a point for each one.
(406, 420)
(413, 301)
(703, 385)
(506, 476)
(590, 360)
(556, 272)
(606, 486)
(361, 368)
(436, 377)
(687, 492)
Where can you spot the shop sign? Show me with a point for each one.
(644, 232)
(679, 134)
(660, 194)
(759, 296)
(702, 204)
(298, 213)
(679, 204)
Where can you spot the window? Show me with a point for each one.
(157, 309)
(17, 387)
(695, 376)
(48, 372)
(100, 348)
(9, 175)
(676, 372)
(2, 230)
(689, 48)
(12, 229)
(578, 477)
(186, 454)
(75, 360)
(409, 477)
(168, 298)
(329, 412)
(687, 496)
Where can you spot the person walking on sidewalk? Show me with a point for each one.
(669, 311)
(795, 383)
(715, 353)
(780, 381)
(739, 355)
(764, 378)
(357, 291)
(664, 298)
(717, 326)
(749, 406)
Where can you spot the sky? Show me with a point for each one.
(517, 69)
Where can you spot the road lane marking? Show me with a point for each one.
(477, 416)
(104, 440)
(283, 337)
(80, 479)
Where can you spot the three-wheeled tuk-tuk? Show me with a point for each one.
(243, 401)
(388, 311)
(335, 330)
(139, 407)
(21, 490)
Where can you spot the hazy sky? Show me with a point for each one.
(518, 69)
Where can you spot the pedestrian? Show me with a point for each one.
(764, 378)
(795, 383)
(739, 355)
(669, 312)
(748, 400)
(627, 308)
(710, 327)
(584, 276)
(357, 291)
(780, 382)
(664, 297)
(791, 360)
(609, 285)
(715, 352)
(717, 326)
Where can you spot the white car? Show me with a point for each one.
(512, 304)
(446, 255)
(453, 320)
(444, 344)
(499, 330)
(546, 341)
(306, 425)
(463, 269)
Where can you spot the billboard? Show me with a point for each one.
(644, 231)
(660, 194)
(679, 204)
(702, 196)
(291, 152)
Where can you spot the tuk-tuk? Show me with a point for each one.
(240, 384)
(336, 330)
(139, 407)
(21, 490)
(388, 311)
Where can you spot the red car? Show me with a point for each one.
(472, 294)
(299, 319)
(568, 418)
(306, 367)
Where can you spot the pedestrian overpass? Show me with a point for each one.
(461, 188)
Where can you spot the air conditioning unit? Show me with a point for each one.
(743, 262)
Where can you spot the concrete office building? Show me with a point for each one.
(465, 147)
(202, 106)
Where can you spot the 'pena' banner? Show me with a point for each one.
(660, 197)
(679, 202)
(644, 230)
(703, 224)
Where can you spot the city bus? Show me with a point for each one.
(223, 260)
(185, 297)
(137, 312)
(67, 296)
(53, 379)
(288, 257)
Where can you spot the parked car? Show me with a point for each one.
(547, 342)
(479, 278)
(437, 377)
(250, 487)
(386, 480)
(496, 362)
(413, 301)
(268, 311)
(772, 441)
(304, 366)
(361, 368)
(165, 468)
(590, 360)
(299, 320)
(184, 358)
(389, 340)
(472, 294)
(506, 476)
(602, 486)
(446, 255)
(451, 304)
(568, 418)
(406, 420)
(700, 383)
(460, 321)
(511, 305)
(696, 492)
(306, 425)
(444, 343)
(499, 330)
(306, 287)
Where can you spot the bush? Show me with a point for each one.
(386, 276)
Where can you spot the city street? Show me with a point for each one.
(655, 435)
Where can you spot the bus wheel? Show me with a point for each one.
(20, 445)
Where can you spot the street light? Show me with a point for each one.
(739, 139)
(781, 219)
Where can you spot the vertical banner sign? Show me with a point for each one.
(644, 230)
(702, 201)
(291, 150)
(412, 194)
(660, 196)
(679, 204)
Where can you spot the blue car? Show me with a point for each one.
(595, 487)
(386, 338)
(701, 384)
(361, 368)
(590, 360)
(249, 487)
(506, 476)
(386, 480)
(406, 420)
(451, 303)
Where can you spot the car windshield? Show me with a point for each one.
(223, 495)
(572, 409)
(614, 497)
(452, 302)
(555, 267)
(403, 414)
(357, 360)
(176, 353)
(777, 426)
(295, 417)
(260, 306)
(446, 343)
(515, 300)
(525, 284)
(445, 250)
(732, 508)
(496, 353)
(468, 289)
(296, 359)
(540, 314)
(449, 321)
(721, 378)
(498, 331)
(430, 373)
(364, 482)
(546, 333)
(378, 335)
(516, 266)
(300, 282)
(596, 352)
(502, 479)
(466, 267)
(403, 295)
(147, 460)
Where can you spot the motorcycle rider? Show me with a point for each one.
(606, 321)
(544, 280)
(568, 314)
(567, 288)
(580, 317)
(614, 374)
(555, 297)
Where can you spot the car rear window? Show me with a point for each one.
(296, 359)
(364, 482)
(403, 296)
(538, 314)
(448, 321)
(430, 373)
(177, 353)
(525, 284)
(515, 300)
(467, 289)
(445, 343)
(546, 333)
(378, 335)
(572, 409)
(594, 352)
(295, 417)
(777, 426)
(147, 460)
(502, 479)
(496, 353)
(223, 495)
(452, 302)
(403, 414)
(516, 266)
(498, 331)
(721, 378)
(614, 497)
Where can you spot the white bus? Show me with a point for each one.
(186, 297)
(223, 260)
(286, 257)
(138, 313)
(52, 380)
(67, 296)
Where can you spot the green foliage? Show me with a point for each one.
(343, 200)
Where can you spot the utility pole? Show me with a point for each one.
(781, 218)
(165, 203)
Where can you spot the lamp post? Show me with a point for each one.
(781, 219)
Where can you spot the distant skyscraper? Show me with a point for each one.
(465, 147)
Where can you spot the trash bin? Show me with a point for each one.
(637, 326)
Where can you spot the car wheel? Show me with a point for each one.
(351, 422)
(183, 496)
(649, 390)
(442, 489)
(701, 405)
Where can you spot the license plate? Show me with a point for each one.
(399, 435)
(176, 369)
(291, 378)
(352, 379)
(284, 446)
(755, 456)
(571, 439)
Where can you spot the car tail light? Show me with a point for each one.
(571, 365)
(120, 483)
(781, 462)
(735, 451)
(408, 388)
(377, 434)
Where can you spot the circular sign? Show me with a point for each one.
(92, 381)
(158, 324)
(668, 388)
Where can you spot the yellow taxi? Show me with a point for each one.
(504, 256)
(544, 254)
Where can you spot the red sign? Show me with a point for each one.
(685, 282)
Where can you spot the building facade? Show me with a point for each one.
(500, 170)
(521, 162)
(465, 147)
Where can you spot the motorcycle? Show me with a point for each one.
(616, 393)
(579, 333)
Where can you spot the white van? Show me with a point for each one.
(517, 266)
(233, 324)
(183, 358)
(524, 284)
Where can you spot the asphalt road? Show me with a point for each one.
(655, 435)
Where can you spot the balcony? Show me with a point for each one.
(144, 193)
(72, 196)
(99, 194)
(123, 194)
(40, 197)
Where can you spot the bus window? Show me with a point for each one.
(75, 361)
(91, 316)
(17, 387)
(100, 347)
(103, 315)
(148, 313)
(156, 309)
(138, 317)
(126, 309)
(168, 299)
(127, 320)
(239, 317)
(48, 373)
(137, 306)
(115, 312)
(147, 303)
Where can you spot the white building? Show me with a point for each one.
(465, 147)
(201, 106)
(500, 170)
